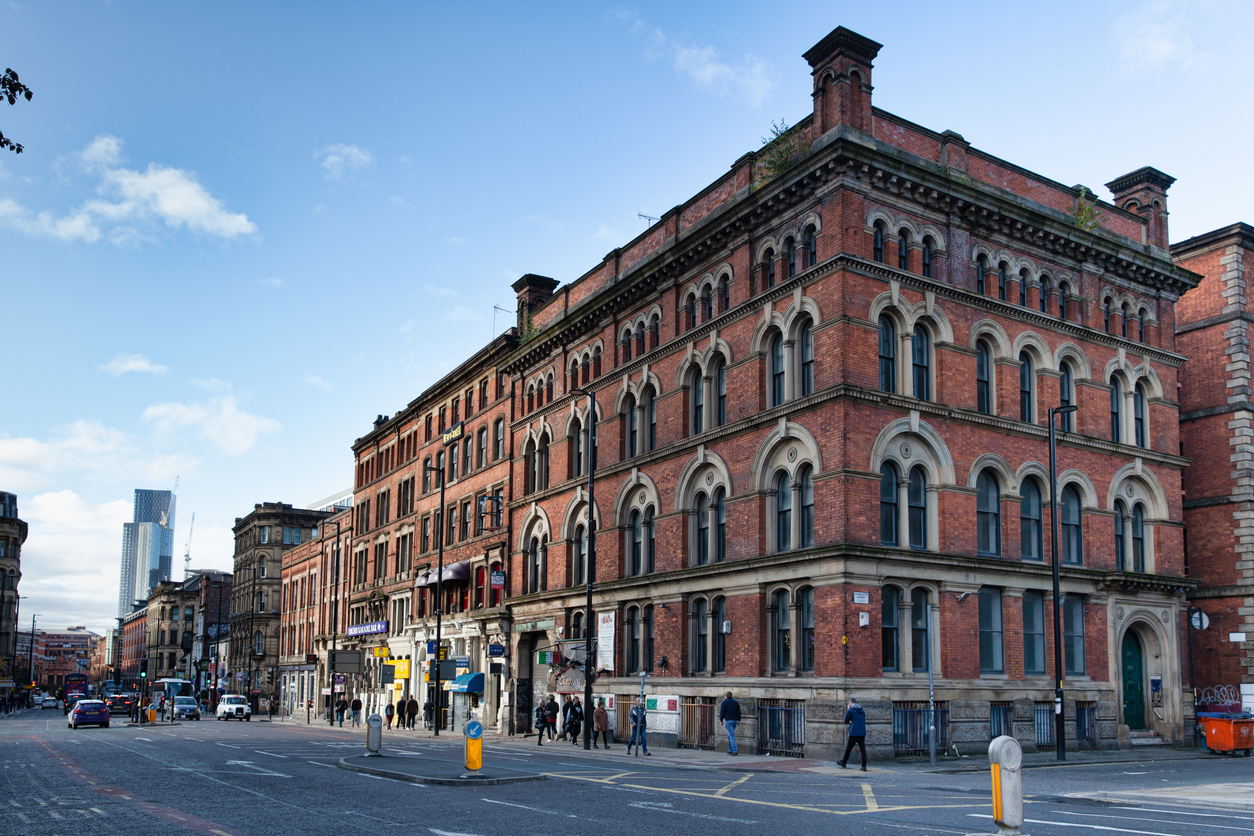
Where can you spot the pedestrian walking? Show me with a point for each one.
(855, 718)
(542, 722)
(729, 716)
(601, 725)
(356, 706)
(565, 717)
(551, 712)
(387, 714)
(575, 720)
(341, 706)
(639, 725)
(411, 712)
(427, 709)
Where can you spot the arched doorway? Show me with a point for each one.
(1133, 670)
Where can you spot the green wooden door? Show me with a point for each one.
(1133, 682)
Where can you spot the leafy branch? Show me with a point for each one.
(1086, 215)
(780, 151)
(12, 88)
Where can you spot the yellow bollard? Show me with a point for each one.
(474, 746)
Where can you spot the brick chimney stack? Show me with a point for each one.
(533, 291)
(841, 66)
(1144, 192)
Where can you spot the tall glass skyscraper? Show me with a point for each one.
(147, 547)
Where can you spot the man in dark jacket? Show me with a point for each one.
(411, 712)
(729, 716)
(341, 705)
(552, 711)
(855, 718)
(565, 717)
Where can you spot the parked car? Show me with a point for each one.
(89, 713)
(234, 706)
(48, 702)
(186, 708)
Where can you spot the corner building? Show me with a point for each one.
(821, 388)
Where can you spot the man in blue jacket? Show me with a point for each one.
(855, 718)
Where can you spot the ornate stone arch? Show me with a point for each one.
(635, 483)
(705, 471)
(1037, 471)
(576, 512)
(982, 249)
(1075, 355)
(930, 231)
(925, 447)
(804, 306)
(1145, 372)
(878, 213)
(1024, 263)
(625, 389)
(932, 316)
(994, 462)
(1036, 347)
(579, 410)
(771, 320)
(900, 311)
(1146, 487)
(535, 521)
(764, 245)
(1124, 369)
(996, 336)
(776, 452)
(1088, 494)
(535, 429)
(905, 222)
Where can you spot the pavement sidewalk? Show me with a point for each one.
(1232, 796)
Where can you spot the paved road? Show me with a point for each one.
(231, 779)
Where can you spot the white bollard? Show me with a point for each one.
(1005, 758)
(374, 734)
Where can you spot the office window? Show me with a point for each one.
(877, 243)
(1121, 516)
(1116, 410)
(1072, 534)
(903, 250)
(921, 363)
(807, 629)
(988, 514)
(983, 378)
(265, 534)
(888, 504)
(720, 638)
(701, 621)
(805, 344)
(890, 597)
(498, 439)
(991, 657)
(916, 497)
(782, 634)
(720, 526)
(1138, 414)
(1031, 542)
(1066, 396)
(777, 370)
(1138, 538)
(1073, 635)
(720, 392)
(806, 480)
(783, 513)
(1033, 632)
(696, 388)
(1027, 379)
(927, 258)
(919, 629)
(888, 354)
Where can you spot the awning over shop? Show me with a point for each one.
(470, 683)
(456, 573)
(425, 578)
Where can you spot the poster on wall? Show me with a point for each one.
(605, 641)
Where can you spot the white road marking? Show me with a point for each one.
(663, 807)
(145, 739)
(448, 832)
(373, 818)
(533, 809)
(257, 769)
(24, 818)
(271, 754)
(316, 763)
(1087, 826)
(1134, 818)
(1182, 812)
(99, 811)
(227, 745)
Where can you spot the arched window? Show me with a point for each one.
(574, 374)
(633, 640)
(782, 635)
(576, 449)
(807, 629)
(1116, 410)
(579, 554)
(981, 276)
(696, 389)
(921, 363)
(790, 256)
(1001, 281)
(805, 343)
(777, 370)
(1106, 315)
(1066, 395)
(639, 338)
(903, 250)
(632, 436)
(720, 638)
(596, 362)
(548, 389)
(1023, 288)
(259, 643)
(1046, 290)
(768, 265)
(1064, 296)
(783, 513)
(1140, 324)
(701, 617)
(724, 295)
(650, 415)
(576, 625)
(888, 504)
(1127, 314)
(535, 565)
(1031, 534)
(1027, 378)
(811, 246)
(1138, 414)
(1121, 517)
(635, 529)
(452, 463)
(916, 497)
(586, 369)
(890, 599)
(655, 324)
(720, 392)
(877, 242)
(481, 454)
(626, 344)
(1138, 538)
(498, 439)
(919, 629)
(703, 530)
(650, 532)
(806, 478)
(1072, 544)
(720, 525)
(988, 514)
(983, 377)
(707, 304)
(927, 257)
(542, 463)
(888, 354)
(426, 474)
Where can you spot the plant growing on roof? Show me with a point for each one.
(780, 151)
(1086, 215)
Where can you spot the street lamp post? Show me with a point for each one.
(588, 665)
(1060, 724)
(434, 664)
(335, 616)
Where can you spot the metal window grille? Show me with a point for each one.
(1086, 725)
(1043, 715)
(1001, 719)
(782, 728)
(622, 719)
(696, 722)
(910, 728)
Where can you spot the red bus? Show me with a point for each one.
(75, 689)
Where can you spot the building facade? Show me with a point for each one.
(261, 539)
(212, 591)
(13, 531)
(1216, 424)
(133, 647)
(147, 547)
(63, 652)
(821, 391)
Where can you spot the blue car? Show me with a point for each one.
(89, 713)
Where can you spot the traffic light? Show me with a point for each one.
(143, 668)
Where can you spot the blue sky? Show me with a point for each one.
(241, 231)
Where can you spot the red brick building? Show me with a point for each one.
(822, 386)
(1212, 330)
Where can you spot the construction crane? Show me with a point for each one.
(187, 550)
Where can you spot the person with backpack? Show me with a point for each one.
(855, 718)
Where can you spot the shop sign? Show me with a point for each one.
(382, 652)
(453, 433)
(402, 668)
(496, 650)
(498, 580)
(341, 678)
(668, 704)
(368, 628)
(605, 641)
(462, 661)
(1156, 691)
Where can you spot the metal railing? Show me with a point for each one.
(910, 728)
(1086, 725)
(1043, 720)
(622, 717)
(697, 728)
(782, 728)
(1001, 717)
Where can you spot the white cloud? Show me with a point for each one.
(458, 242)
(88, 448)
(749, 80)
(274, 281)
(400, 203)
(124, 363)
(339, 159)
(220, 420)
(463, 313)
(212, 384)
(1154, 36)
(314, 380)
(406, 327)
(67, 511)
(130, 204)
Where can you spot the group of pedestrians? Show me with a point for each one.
(404, 713)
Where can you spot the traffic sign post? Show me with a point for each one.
(474, 746)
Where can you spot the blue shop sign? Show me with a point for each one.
(496, 650)
(468, 683)
(368, 628)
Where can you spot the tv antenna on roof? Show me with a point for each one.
(652, 220)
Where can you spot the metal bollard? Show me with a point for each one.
(374, 735)
(474, 746)
(1006, 759)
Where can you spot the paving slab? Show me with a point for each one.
(423, 770)
(1216, 796)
